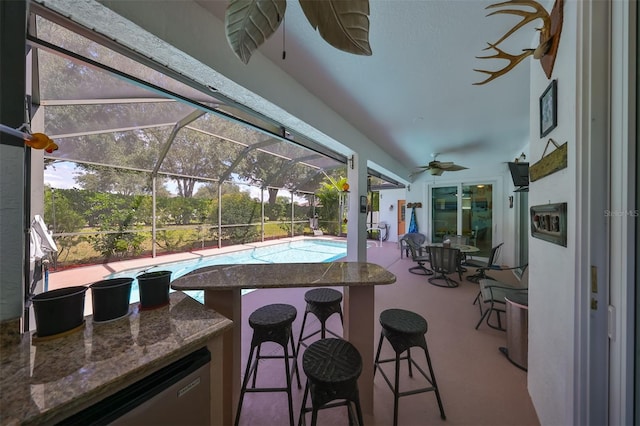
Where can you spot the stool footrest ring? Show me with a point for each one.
(301, 341)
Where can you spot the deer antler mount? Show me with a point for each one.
(549, 36)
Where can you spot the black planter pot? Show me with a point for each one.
(110, 298)
(154, 289)
(60, 310)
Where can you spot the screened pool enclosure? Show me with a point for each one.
(150, 163)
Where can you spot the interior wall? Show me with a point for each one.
(389, 198)
(623, 217)
(552, 268)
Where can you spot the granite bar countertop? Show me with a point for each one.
(277, 275)
(45, 381)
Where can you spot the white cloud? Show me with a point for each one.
(60, 175)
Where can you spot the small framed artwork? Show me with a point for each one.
(548, 109)
(549, 223)
(363, 204)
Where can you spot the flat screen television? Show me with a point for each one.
(520, 175)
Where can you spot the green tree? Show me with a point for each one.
(109, 179)
(239, 209)
(118, 217)
(283, 166)
(329, 195)
(182, 211)
(196, 152)
(280, 210)
(60, 215)
(210, 190)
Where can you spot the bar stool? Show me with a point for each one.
(332, 367)
(322, 302)
(271, 323)
(404, 330)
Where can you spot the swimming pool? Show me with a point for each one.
(301, 251)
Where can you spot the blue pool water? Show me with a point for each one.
(302, 251)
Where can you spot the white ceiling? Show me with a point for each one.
(415, 95)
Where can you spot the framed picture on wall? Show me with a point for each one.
(549, 109)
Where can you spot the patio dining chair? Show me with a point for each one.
(444, 261)
(418, 238)
(460, 240)
(483, 267)
(494, 293)
(418, 257)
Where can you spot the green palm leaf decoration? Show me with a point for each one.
(344, 24)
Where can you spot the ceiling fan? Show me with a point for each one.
(436, 168)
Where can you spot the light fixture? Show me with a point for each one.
(521, 159)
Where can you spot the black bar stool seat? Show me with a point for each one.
(322, 302)
(333, 367)
(403, 330)
(271, 323)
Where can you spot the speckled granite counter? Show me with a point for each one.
(42, 382)
(222, 286)
(278, 275)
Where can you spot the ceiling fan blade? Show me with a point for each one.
(455, 168)
(416, 173)
(437, 168)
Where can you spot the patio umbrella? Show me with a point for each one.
(413, 225)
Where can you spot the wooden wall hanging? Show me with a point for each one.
(556, 18)
(549, 223)
(551, 163)
(411, 205)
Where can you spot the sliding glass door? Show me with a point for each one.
(444, 212)
(464, 209)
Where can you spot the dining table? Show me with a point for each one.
(464, 248)
(223, 285)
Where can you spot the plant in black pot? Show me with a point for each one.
(58, 311)
(110, 298)
(154, 289)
